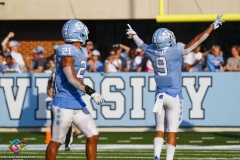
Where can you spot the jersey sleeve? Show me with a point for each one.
(180, 47)
(144, 47)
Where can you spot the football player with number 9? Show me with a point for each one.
(67, 105)
(166, 57)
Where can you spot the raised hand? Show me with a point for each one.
(130, 32)
(218, 21)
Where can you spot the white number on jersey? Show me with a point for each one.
(66, 51)
(82, 69)
(162, 65)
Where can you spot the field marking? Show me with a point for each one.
(232, 142)
(103, 138)
(123, 141)
(208, 137)
(129, 147)
(30, 139)
(136, 138)
(195, 141)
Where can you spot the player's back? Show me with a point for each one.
(167, 66)
(65, 89)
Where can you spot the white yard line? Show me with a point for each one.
(130, 146)
(136, 138)
(208, 137)
(133, 129)
(192, 141)
(123, 141)
(232, 142)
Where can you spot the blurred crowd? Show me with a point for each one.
(121, 58)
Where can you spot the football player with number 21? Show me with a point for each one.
(166, 57)
(67, 105)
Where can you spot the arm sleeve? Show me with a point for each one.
(187, 50)
(68, 73)
(137, 40)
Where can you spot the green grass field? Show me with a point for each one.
(128, 138)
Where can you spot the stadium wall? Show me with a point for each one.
(210, 99)
(109, 9)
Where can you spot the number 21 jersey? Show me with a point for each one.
(66, 92)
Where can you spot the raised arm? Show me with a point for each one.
(5, 40)
(132, 34)
(202, 36)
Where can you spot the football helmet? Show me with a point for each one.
(163, 38)
(75, 31)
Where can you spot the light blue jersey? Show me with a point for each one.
(67, 95)
(167, 66)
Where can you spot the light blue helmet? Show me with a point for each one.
(75, 31)
(163, 38)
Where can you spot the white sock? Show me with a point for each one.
(158, 143)
(170, 151)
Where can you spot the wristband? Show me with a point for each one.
(89, 90)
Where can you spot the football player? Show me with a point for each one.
(166, 57)
(67, 105)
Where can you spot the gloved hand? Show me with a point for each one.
(130, 32)
(218, 21)
(98, 98)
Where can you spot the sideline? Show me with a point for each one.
(133, 129)
(128, 147)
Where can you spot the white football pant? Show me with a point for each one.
(63, 119)
(171, 113)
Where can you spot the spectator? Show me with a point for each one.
(48, 67)
(2, 62)
(51, 57)
(5, 41)
(14, 45)
(112, 63)
(40, 62)
(233, 63)
(10, 66)
(194, 60)
(139, 57)
(34, 60)
(131, 64)
(184, 64)
(88, 49)
(149, 67)
(214, 60)
(120, 48)
(143, 65)
(120, 54)
(94, 65)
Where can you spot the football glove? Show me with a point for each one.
(130, 31)
(218, 21)
(98, 98)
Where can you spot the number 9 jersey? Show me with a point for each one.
(67, 95)
(167, 64)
